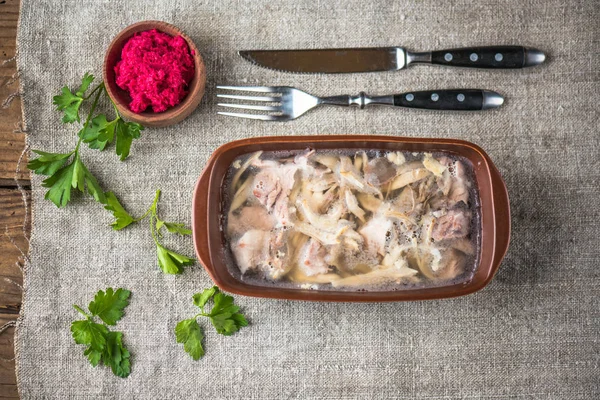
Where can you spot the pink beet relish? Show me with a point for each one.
(156, 69)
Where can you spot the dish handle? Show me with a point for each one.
(502, 213)
(200, 218)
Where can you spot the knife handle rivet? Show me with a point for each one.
(473, 57)
(410, 97)
(435, 96)
(448, 57)
(460, 97)
(498, 57)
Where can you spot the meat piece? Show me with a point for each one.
(379, 171)
(454, 224)
(303, 158)
(452, 264)
(349, 255)
(277, 263)
(248, 218)
(378, 276)
(267, 187)
(270, 183)
(459, 188)
(281, 212)
(322, 184)
(396, 157)
(318, 201)
(262, 250)
(406, 202)
(311, 258)
(250, 250)
(272, 187)
(433, 165)
(426, 189)
(444, 182)
(325, 237)
(368, 202)
(351, 178)
(353, 207)
(242, 168)
(408, 177)
(375, 233)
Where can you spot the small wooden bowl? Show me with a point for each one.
(121, 97)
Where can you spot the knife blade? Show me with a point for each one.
(333, 61)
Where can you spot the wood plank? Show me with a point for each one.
(12, 211)
(12, 242)
(10, 6)
(11, 147)
(8, 380)
(12, 140)
(12, 214)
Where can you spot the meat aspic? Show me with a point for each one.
(349, 220)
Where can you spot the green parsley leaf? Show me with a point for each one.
(109, 305)
(172, 227)
(171, 262)
(224, 315)
(60, 185)
(86, 81)
(177, 228)
(73, 175)
(90, 333)
(126, 132)
(99, 132)
(200, 299)
(70, 103)
(82, 178)
(48, 163)
(123, 218)
(159, 224)
(93, 356)
(116, 355)
(190, 334)
(103, 344)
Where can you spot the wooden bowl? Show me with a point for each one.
(211, 246)
(121, 97)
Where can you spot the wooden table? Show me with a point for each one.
(12, 209)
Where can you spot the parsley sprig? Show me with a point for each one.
(224, 316)
(67, 171)
(169, 261)
(104, 345)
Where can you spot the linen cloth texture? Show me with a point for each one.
(532, 333)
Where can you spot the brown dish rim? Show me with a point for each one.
(209, 241)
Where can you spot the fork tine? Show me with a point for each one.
(249, 107)
(253, 98)
(254, 116)
(266, 89)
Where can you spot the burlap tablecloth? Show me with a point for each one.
(532, 333)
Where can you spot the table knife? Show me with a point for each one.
(332, 61)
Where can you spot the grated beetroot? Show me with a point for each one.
(155, 69)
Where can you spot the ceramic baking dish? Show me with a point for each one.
(212, 250)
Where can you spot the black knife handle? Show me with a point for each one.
(452, 99)
(499, 57)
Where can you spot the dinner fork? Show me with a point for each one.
(289, 103)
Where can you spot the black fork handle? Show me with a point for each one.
(447, 99)
(450, 99)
